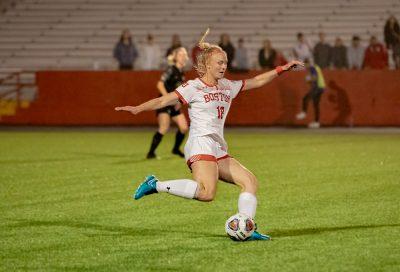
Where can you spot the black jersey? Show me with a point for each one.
(172, 78)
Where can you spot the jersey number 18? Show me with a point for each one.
(220, 112)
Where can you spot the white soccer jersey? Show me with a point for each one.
(208, 105)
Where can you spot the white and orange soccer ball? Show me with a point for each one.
(239, 227)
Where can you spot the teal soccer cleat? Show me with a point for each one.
(147, 187)
(258, 236)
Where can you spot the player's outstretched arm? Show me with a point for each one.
(154, 104)
(266, 77)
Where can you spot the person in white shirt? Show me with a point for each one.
(302, 50)
(209, 97)
(355, 54)
(241, 57)
(150, 56)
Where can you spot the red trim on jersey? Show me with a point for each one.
(200, 157)
(243, 84)
(224, 157)
(208, 85)
(181, 99)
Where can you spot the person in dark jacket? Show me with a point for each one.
(339, 55)
(125, 51)
(322, 52)
(227, 46)
(392, 38)
(267, 56)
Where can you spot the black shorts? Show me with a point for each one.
(170, 110)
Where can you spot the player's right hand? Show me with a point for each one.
(293, 65)
(131, 109)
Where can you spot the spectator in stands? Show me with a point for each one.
(317, 86)
(151, 54)
(392, 39)
(376, 56)
(125, 51)
(227, 46)
(267, 56)
(355, 54)
(322, 52)
(176, 43)
(339, 55)
(241, 57)
(302, 49)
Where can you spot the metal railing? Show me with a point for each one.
(13, 80)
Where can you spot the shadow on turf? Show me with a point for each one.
(106, 230)
(134, 231)
(317, 230)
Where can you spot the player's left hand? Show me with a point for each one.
(133, 110)
(294, 64)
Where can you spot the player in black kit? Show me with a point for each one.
(171, 79)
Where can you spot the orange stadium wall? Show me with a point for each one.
(353, 98)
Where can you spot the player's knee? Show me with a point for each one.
(184, 129)
(206, 197)
(206, 194)
(251, 184)
(163, 129)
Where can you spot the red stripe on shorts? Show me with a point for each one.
(223, 157)
(200, 157)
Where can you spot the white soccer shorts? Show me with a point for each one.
(204, 148)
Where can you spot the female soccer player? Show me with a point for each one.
(171, 79)
(209, 97)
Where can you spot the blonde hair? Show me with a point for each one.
(207, 50)
(171, 58)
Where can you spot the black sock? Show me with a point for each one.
(178, 140)
(156, 141)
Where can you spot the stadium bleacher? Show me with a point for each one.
(80, 34)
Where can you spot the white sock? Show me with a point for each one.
(247, 204)
(179, 187)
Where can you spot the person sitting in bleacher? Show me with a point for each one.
(267, 56)
(376, 56)
(302, 50)
(150, 55)
(125, 51)
(355, 54)
(322, 52)
(241, 57)
(176, 43)
(228, 47)
(392, 39)
(339, 55)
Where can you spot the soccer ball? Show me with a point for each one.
(239, 227)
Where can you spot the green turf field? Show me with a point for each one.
(330, 200)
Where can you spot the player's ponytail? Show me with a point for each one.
(203, 45)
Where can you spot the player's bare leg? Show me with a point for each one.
(203, 187)
(206, 174)
(230, 170)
